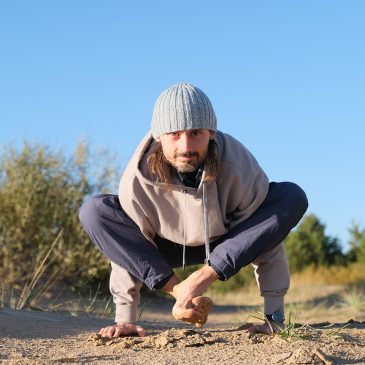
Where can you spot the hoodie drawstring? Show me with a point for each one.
(184, 245)
(206, 226)
(206, 223)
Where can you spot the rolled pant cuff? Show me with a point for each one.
(157, 281)
(272, 304)
(223, 270)
(125, 313)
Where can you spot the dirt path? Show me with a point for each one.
(54, 338)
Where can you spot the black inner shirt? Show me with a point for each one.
(191, 179)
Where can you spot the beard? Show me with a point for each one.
(189, 165)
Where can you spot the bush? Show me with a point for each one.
(41, 192)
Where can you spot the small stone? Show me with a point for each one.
(93, 337)
(111, 342)
(124, 345)
(162, 341)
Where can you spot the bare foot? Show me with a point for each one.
(121, 330)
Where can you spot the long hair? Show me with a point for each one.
(161, 168)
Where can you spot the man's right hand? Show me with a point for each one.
(197, 315)
(121, 330)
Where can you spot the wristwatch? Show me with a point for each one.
(277, 316)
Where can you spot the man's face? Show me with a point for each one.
(186, 150)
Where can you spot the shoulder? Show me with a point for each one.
(233, 153)
(132, 174)
(134, 163)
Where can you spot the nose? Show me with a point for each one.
(185, 142)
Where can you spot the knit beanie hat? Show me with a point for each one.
(181, 107)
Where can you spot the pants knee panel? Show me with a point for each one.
(90, 211)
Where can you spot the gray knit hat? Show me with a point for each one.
(181, 107)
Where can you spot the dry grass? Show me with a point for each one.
(321, 295)
(332, 294)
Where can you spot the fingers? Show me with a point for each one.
(141, 332)
(107, 331)
(203, 305)
(265, 328)
(190, 315)
(259, 328)
(120, 330)
(196, 313)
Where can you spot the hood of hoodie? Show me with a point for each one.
(177, 213)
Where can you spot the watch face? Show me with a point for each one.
(278, 316)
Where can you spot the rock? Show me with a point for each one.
(162, 341)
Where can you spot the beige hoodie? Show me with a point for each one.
(177, 214)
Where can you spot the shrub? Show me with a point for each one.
(40, 193)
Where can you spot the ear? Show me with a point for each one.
(211, 135)
(158, 139)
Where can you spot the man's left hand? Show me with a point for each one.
(266, 328)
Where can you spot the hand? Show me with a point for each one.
(197, 315)
(265, 328)
(121, 330)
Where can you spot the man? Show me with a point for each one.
(189, 195)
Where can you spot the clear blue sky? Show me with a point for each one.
(286, 78)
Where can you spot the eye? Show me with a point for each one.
(196, 132)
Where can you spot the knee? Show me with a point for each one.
(90, 212)
(296, 197)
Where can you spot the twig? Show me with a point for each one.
(325, 358)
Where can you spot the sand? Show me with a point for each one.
(41, 338)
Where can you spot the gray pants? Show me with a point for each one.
(120, 239)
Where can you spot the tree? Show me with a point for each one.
(357, 243)
(309, 245)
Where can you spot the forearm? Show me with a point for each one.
(195, 285)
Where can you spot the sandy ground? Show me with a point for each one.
(58, 338)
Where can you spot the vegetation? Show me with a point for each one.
(40, 194)
(42, 241)
(309, 245)
(357, 243)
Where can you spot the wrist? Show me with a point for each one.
(170, 285)
(210, 271)
(277, 316)
(125, 313)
